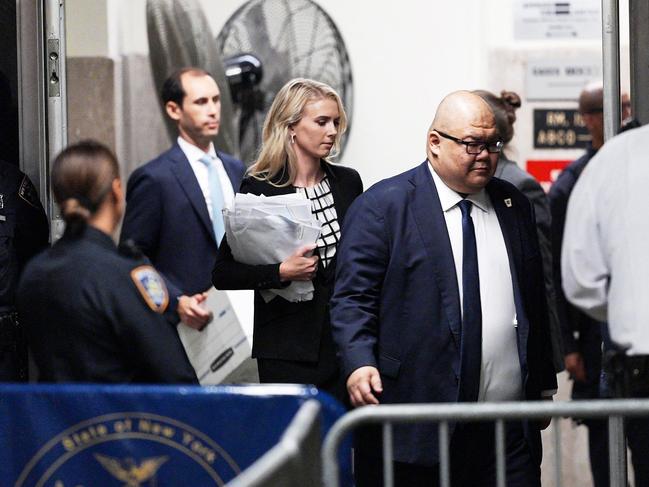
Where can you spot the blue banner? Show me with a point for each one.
(89, 436)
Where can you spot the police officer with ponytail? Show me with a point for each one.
(92, 314)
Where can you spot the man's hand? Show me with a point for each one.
(545, 422)
(574, 363)
(300, 265)
(192, 313)
(362, 384)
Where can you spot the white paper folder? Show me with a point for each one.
(224, 344)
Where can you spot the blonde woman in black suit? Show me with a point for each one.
(292, 342)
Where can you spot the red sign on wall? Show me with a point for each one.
(546, 171)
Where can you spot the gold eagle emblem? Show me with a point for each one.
(128, 471)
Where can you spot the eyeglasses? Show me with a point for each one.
(475, 147)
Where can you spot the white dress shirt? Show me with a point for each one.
(500, 371)
(605, 253)
(194, 155)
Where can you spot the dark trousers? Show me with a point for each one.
(598, 451)
(473, 462)
(637, 435)
(629, 378)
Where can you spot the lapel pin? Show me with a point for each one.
(508, 202)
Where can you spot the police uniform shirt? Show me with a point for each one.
(93, 315)
(24, 229)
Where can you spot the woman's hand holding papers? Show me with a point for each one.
(300, 265)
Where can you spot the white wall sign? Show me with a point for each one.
(560, 79)
(557, 19)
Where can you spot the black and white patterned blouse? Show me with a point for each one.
(322, 206)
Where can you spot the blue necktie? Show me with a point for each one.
(471, 345)
(216, 196)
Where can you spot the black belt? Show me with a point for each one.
(629, 374)
(636, 364)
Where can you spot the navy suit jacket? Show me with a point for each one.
(167, 217)
(526, 184)
(396, 303)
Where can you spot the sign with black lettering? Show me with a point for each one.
(560, 78)
(559, 128)
(557, 19)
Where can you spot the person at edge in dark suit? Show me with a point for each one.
(504, 108)
(292, 341)
(174, 202)
(91, 314)
(582, 334)
(439, 297)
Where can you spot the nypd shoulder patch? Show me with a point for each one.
(28, 193)
(152, 287)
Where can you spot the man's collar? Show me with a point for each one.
(590, 150)
(448, 198)
(192, 152)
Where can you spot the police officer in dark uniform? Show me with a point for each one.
(92, 314)
(23, 233)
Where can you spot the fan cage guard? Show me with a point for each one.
(292, 38)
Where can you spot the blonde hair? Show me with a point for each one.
(276, 155)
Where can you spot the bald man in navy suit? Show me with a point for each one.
(174, 202)
(439, 297)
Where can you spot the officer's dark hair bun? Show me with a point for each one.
(71, 209)
(511, 98)
(82, 177)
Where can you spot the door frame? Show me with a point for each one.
(42, 101)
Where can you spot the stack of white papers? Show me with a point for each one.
(267, 230)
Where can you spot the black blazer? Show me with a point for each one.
(285, 330)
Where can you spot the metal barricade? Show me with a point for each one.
(295, 460)
(614, 410)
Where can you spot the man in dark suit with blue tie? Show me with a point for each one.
(174, 202)
(439, 297)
